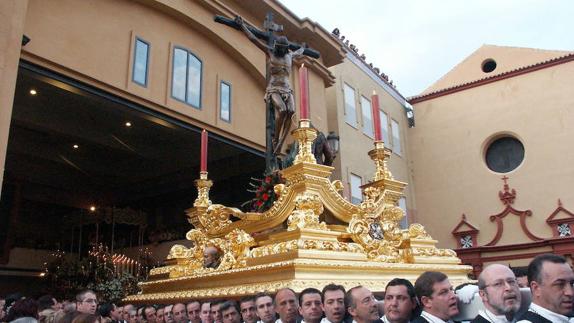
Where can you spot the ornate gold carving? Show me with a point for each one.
(373, 245)
(418, 231)
(305, 136)
(203, 185)
(234, 250)
(380, 155)
(305, 244)
(308, 207)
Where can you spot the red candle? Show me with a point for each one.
(376, 116)
(304, 97)
(203, 166)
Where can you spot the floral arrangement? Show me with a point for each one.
(264, 192)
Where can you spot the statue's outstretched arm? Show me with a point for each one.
(250, 35)
(298, 52)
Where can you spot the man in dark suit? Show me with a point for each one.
(500, 294)
(551, 281)
(437, 298)
(400, 301)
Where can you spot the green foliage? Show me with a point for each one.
(67, 274)
(116, 288)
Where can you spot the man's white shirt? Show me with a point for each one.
(433, 319)
(547, 314)
(491, 317)
(385, 319)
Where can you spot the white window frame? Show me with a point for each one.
(222, 84)
(367, 117)
(350, 105)
(385, 127)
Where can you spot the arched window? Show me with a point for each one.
(186, 77)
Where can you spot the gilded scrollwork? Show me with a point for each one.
(234, 249)
(308, 207)
(305, 136)
(305, 244)
(291, 235)
(417, 231)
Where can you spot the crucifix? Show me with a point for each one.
(280, 105)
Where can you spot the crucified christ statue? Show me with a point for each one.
(278, 92)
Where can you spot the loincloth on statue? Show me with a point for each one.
(284, 93)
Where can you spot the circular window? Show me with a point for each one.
(504, 154)
(488, 65)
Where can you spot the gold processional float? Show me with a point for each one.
(310, 237)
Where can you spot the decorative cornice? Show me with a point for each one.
(462, 223)
(493, 78)
(560, 209)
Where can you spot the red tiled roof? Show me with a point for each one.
(493, 78)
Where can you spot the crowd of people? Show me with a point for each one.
(431, 299)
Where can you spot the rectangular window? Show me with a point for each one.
(356, 195)
(385, 128)
(225, 101)
(367, 117)
(186, 77)
(350, 110)
(396, 137)
(403, 205)
(140, 67)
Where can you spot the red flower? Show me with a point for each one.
(265, 196)
(268, 179)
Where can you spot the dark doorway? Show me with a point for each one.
(73, 147)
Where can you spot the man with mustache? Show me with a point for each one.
(286, 305)
(551, 279)
(361, 305)
(334, 303)
(437, 298)
(311, 308)
(500, 294)
(400, 301)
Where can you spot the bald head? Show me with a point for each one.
(499, 290)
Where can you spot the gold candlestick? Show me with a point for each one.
(305, 136)
(380, 155)
(203, 185)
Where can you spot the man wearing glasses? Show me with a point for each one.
(550, 278)
(86, 302)
(500, 295)
(436, 295)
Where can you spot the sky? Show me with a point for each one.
(415, 42)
